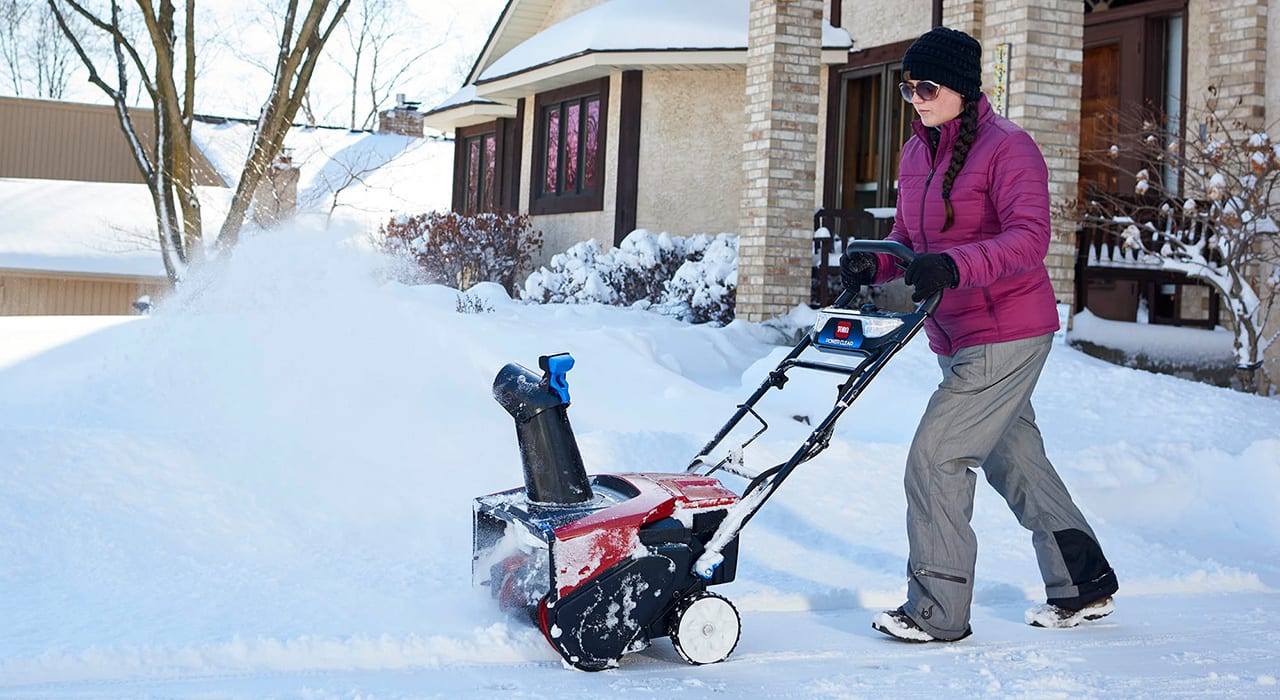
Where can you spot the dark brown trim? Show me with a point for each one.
(1152, 52)
(837, 9)
(460, 138)
(1142, 9)
(564, 204)
(459, 170)
(628, 192)
(937, 13)
(509, 149)
(876, 55)
(830, 163)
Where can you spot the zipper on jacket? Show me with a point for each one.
(924, 235)
(944, 577)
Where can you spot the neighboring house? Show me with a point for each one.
(599, 116)
(60, 161)
(77, 226)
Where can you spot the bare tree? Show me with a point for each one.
(1206, 203)
(168, 82)
(378, 52)
(37, 59)
(301, 45)
(13, 22)
(165, 163)
(348, 169)
(52, 55)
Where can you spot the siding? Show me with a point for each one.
(40, 294)
(51, 140)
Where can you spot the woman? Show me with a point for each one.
(973, 203)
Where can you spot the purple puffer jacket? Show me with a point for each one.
(998, 239)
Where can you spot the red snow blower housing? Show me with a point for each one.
(605, 564)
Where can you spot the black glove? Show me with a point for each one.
(857, 269)
(930, 272)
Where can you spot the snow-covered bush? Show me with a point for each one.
(462, 250)
(693, 279)
(702, 289)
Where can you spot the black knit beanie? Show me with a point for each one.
(948, 57)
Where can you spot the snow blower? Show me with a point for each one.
(605, 564)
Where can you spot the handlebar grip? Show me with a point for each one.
(899, 251)
(893, 248)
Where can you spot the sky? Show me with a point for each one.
(264, 489)
(236, 41)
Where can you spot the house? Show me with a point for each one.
(59, 161)
(78, 231)
(599, 116)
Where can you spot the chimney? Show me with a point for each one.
(404, 119)
(276, 198)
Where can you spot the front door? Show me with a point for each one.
(1132, 72)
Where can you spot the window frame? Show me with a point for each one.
(462, 168)
(541, 202)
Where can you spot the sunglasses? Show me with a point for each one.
(926, 89)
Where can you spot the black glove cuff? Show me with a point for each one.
(952, 270)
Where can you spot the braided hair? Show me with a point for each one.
(959, 152)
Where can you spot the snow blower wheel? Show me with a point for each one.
(705, 628)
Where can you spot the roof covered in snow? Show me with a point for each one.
(96, 228)
(641, 25)
(359, 179)
(618, 34)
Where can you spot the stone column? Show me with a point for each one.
(775, 244)
(966, 16)
(1046, 59)
(1237, 60)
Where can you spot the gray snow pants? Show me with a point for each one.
(981, 416)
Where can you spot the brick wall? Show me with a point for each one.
(965, 16)
(405, 122)
(783, 77)
(1237, 60)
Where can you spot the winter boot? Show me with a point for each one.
(900, 626)
(1061, 618)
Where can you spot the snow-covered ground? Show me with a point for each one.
(264, 490)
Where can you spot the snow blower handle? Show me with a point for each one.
(554, 368)
(904, 255)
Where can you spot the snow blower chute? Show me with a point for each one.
(605, 564)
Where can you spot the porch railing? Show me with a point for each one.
(831, 229)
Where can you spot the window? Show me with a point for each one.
(477, 169)
(568, 147)
(480, 169)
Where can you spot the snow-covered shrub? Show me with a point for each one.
(703, 288)
(693, 278)
(461, 250)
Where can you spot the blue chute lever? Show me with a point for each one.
(554, 368)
